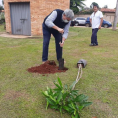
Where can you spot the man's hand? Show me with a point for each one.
(90, 21)
(99, 27)
(101, 23)
(61, 44)
(61, 30)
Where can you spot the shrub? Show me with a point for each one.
(63, 98)
(2, 18)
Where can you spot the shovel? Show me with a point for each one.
(61, 60)
(61, 64)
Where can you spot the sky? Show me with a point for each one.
(110, 3)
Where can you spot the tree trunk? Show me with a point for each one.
(116, 17)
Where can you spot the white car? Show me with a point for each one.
(79, 21)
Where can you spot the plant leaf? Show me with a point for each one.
(54, 107)
(81, 98)
(80, 107)
(74, 92)
(57, 89)
(57, 86)
(73, 116)
(77, 115)
(75, 112)
(65, 95)
(46, 93)
(47, 105)
(60, 82)
(86, 104)
(50, 91)
(71, 98)
(50, 101)
(66, 87)
(60, 109)
(53, 99)
(71, 106)
(67, 108)
(59, 97)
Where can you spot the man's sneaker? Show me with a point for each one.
(91, 44)
(95, 44)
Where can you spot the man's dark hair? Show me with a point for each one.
(95, 5)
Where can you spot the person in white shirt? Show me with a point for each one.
(96, 20)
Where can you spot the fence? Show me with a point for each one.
(107, 16)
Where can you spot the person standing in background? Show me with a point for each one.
(96, 20)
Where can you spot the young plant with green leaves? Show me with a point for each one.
(64, 98)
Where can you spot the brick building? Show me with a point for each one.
(25, 17)
(108, 14)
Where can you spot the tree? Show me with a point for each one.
(89, 11)
(115, 17)
(105, 6)
(3, 2)
(93, 3)
(1, 7)
(76, 4)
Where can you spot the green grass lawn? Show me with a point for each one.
(21, 91)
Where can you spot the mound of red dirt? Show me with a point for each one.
(48, 67)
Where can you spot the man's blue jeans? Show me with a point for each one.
(46, 40)
(94, 36)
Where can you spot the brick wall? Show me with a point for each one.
(39, 10)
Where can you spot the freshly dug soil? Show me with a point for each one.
(48, 67)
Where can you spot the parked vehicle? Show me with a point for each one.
(73, 23)
(105, 23)
(78, 21)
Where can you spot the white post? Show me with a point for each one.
(116, 17)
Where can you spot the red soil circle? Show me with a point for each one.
(49, 67)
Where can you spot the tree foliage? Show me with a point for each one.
(74, 4)
(1, 7)
(3, 2)
(105, 6)
(90, 11)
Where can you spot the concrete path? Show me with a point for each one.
(4, 34)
